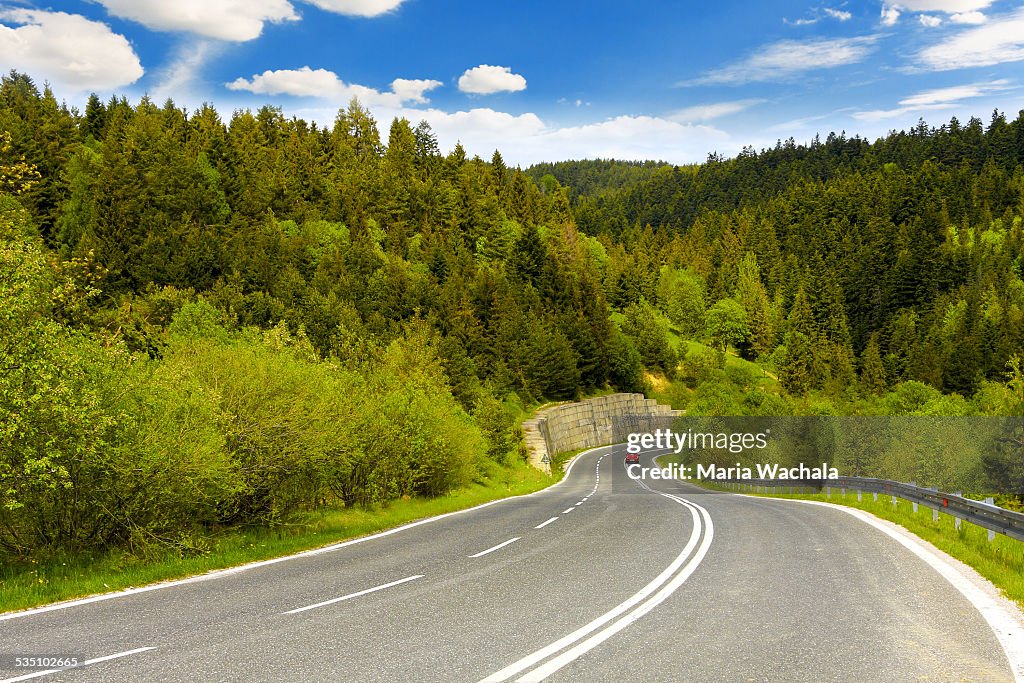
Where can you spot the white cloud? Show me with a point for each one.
(959, 11)
(68, 50)
(413, 90)
(788, 58)
(841, 15)
(304, 82)
(324, 84)
(526, 139)
(486, 80)
(804, 123)
(968, 18)
(712, 111)
(945, 6)
(998, 41)
(231, 20)
(178, 78)
(937, 99)
(818, 15)
(357, 8)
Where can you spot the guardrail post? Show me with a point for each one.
(828, 491)
(893, 500)
(991, 533)
(956, 520)
(859, 495)
(914, 483)
(935, 511)
(876, 496)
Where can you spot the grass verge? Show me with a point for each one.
(34, 583)
(1000, 560)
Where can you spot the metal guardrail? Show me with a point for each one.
(984, 514)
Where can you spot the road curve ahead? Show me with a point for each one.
(596, 579)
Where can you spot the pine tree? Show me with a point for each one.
(872, 371)
(753, 296)
(799, 373)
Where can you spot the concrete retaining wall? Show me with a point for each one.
(584, 424)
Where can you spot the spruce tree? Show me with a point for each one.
(799, 373)
(872, 371)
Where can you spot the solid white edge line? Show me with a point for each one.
(1007, 629)
(543, 653)
(544, 524)
(355, 595)
(216, 574)
(88, 662)
(553, 665)
(497, 547)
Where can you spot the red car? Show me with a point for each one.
(632, 458)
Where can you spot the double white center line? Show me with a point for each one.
(567, 649)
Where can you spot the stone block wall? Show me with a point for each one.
(584, 424)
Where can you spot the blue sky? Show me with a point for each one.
(545, 80)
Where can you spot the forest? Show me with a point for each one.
(210, 322)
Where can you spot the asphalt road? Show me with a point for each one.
(596, 579)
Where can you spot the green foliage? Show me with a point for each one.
(498, 426)
(726, 323)
(800, 371)
(625, 366)
(649, 334)
(872, 371)
(681, 298)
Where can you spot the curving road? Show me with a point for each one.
(596, 579)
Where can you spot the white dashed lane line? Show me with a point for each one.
(497, 547)
(355, 595)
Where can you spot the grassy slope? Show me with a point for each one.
(662, 389)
